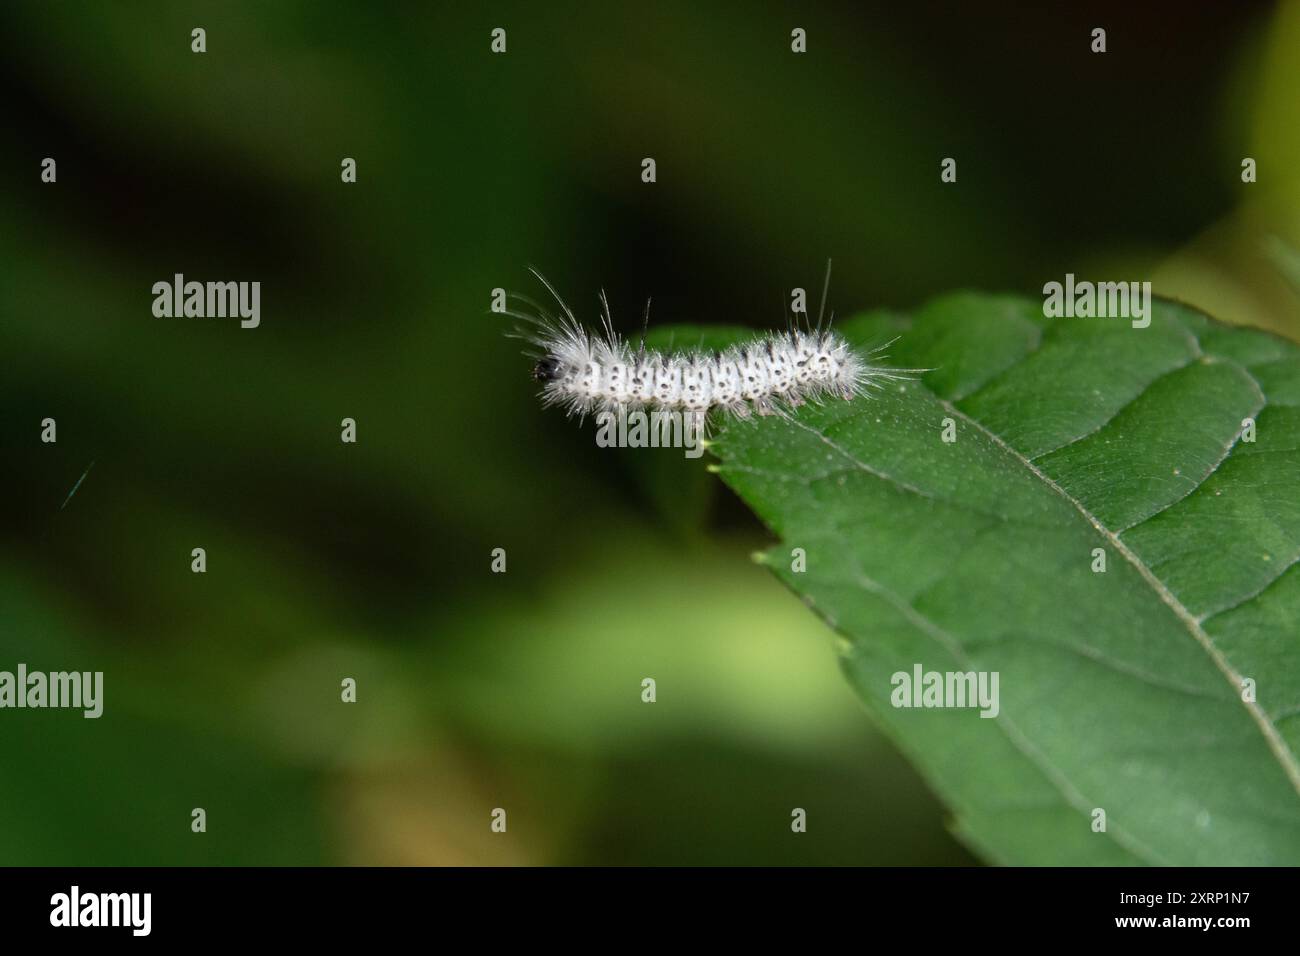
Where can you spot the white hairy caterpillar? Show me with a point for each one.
(587, 371)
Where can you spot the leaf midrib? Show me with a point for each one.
(1018, 739)
(1285, 757)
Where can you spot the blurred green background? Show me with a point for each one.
(371, 560)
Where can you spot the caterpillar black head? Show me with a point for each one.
(547, 370)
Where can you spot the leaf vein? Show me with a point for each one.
(1017, 738)
(1286, 759)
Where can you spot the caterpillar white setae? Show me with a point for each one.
(588, 372)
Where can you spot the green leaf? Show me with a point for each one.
(1119, 690)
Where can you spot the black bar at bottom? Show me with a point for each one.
(459, 906)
